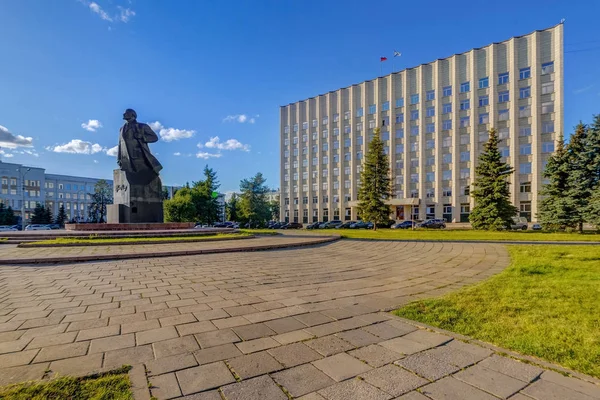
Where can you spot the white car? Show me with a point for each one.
(7, 228)
(37, 227)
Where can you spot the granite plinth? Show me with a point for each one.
(135, 200)
(130, 227)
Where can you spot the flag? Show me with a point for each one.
(397, 53)
(383, 59)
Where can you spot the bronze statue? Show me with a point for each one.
(134, 156)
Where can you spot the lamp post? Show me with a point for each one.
(23, 196)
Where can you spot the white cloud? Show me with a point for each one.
(92, 125)
(583, 89)
(77, 146)
(241, 118)
(98, 10)
(206, 156)
(8, 155)
(171, 134)
(126, 14)
(112, 151)
(11, 141)
(230, 144)
(95, 161)
(177, 154)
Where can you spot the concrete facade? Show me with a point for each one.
(434, 120)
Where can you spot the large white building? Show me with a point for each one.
(434, 121)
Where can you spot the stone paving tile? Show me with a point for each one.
(261, 316)
(170, 364)
(294, 354)
(312, 396)
(302, 379)
(89, 324)
(22, 373)
(51, 340)
(404, 346)
(490, 381)
(216, 338)
(329, 345)
(139, 326)
(241, 310)
(195, 327)
(255, 345)
(77, 365)
(353, 389)
(575, 384)
(15, 345)
(313, 318)
(96, 333)
(251, 365)
(262, 387)
(59, 352)
(452, 389)
(429, 338)
(165, 386)
(376, 356)
(204, 377)
(341, 366)
(292, 337)
(131, 356)
(385, 331)
(358, 337)
(217, 353)
(427, 366)
(180, 345)
(210, 395)
(512, 368)
(112, 343)
(546, 390)
(254, 331)
(460, 354)
(210, 315)
(231, 322)
(393, 380)
(414, 395)
(284, 325)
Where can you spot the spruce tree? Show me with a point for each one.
(580, 181)
(39, 213)
(3, 214)
(233, 208)
(375, 184)
(593, 209)
(493, 209)
(556, 209)
(592, 156)
(48, 216)
(61, 217)
(9, 216)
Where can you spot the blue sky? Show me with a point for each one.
(202, 70)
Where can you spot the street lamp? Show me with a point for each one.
(23, 197)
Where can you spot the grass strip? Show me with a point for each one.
(138, 240)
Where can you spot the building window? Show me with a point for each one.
(465, 173)
(430, 95)
(347, 142)
(447, 176)
(336, 117)
(414, 114)
(465, 208)
(484, 82)
(484, 100)
(430, 127)
(447, 209)
(414, 146)
(286, 129)
(548, 68)
(465, 87)
(414, 131)
(525, 131)
(525, 73)
(347, 129)
(547, 147)
(465, 139)
(399, 133)
(325, 120)
(465, 122)
(399, 148)
(525, 187)
(314, 123)
(430, 112)
(503, 97)
(547, 107)
(359, 112)
(503, 115)
(430, 144)
(385, 136)
(346, 115)
(359, 155)
(525, 149)
(503, 78)
(447, 124)
(503, 133)
(400, 102)
(372, 124)
(286, 142)
(430, 176)
(524, 111)
(315, 135)
(429, 162)
(372, 109)
(295, 127)
(525, 168)
(484, 118)
(305, 125)
(447, 91)
(359, 127)
(465, 104)
(465, 156)
(359, 140)
(336, 131)
(325, 146)
(446, 108)
(414, 178)
(548, 127)
(504, 151)
(525, 207)
(399, 118)
(305, 199)
(414, 99)
(525, 92)
(547, 87)
(325, 160)
(447, 141)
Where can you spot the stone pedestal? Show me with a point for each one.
(135, 203)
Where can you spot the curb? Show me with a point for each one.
(73, 259)
(590, 243)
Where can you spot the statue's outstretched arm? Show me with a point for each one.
(149, 135)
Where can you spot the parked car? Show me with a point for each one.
(227, 224)
(314, 225)
(54, 226)
(519, 223)
(292, 225)
(433, 224)
(331, 224)
(386, 224)
(37, 227)
(536, 227)
(345, 225)
(404, 225)
(7, 228)
(277, 225)
(362, 225)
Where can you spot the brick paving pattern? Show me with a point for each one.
(304, 323)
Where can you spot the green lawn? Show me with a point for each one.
(110, 386)
(458, 234)
(260, 231)
(140, 240)
(545, 304)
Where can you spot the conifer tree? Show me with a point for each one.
(593, 209)
(61, 217)
(493, 209)
(580, 182)
(375, 184)
(556, 208)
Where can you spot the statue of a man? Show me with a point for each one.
(134, 156)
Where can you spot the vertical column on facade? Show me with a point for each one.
(327, 113)
(318, 116)
(343, 191)
(392, 130)
(513, 119)
(405, 124)
(282, 135)
(298, 183)
(536, 131)
(455, 115)
(353, 146)
(421, 147)
(558, 56)
(290, 193)
(363, 130)
(308, 144)
(437, 137)
(474, 117)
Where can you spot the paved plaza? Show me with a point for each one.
(302, 323)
